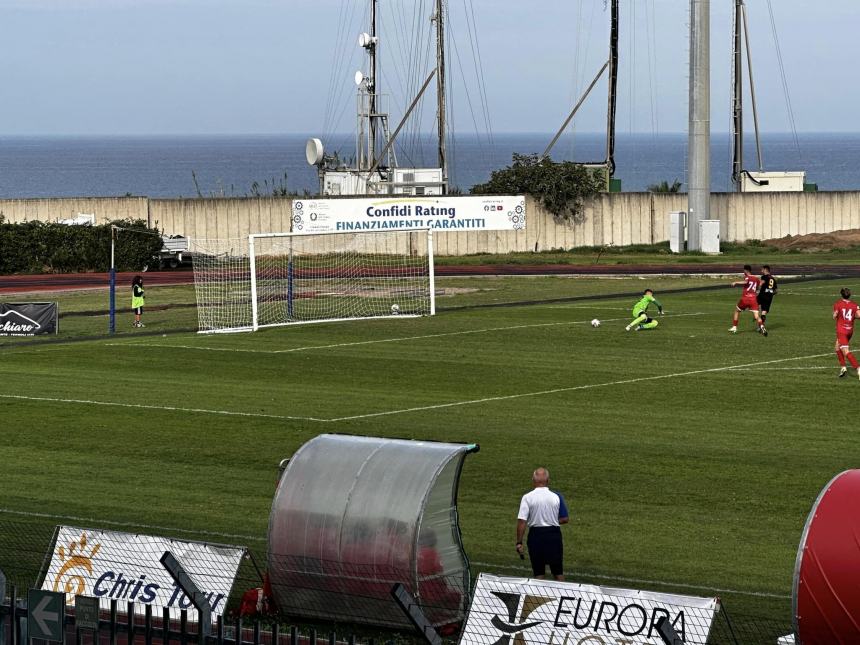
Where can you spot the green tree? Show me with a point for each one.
(665, 187)
(561, 187)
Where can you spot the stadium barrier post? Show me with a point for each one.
(147, 625)
(290, 289)
(192, 591)
(3, 609)
(13, 622)
(129, 622)
(183, 627)
(290, 282)
(667, 633)
(432, 270)
(112, 305)
(253, 268)
(165, 625)
(412, 609)
(113, 620)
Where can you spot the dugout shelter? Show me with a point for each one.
(352, 516)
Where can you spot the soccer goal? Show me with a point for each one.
(273, 279)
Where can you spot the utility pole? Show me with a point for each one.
(613, 92)
(440, 90)
(699, 137)
(752, 86)
(738, 101)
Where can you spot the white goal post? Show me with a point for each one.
(274, 279)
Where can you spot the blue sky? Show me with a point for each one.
(138, 67)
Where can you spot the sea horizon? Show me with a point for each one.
(225, 165)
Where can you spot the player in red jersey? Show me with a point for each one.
(845, 313)
(749, 300)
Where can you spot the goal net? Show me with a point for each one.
(274, 279)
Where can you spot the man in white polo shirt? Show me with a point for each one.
(543, 511)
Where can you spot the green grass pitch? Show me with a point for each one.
(689, 457)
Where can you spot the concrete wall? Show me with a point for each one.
(51, 210)
(618, 218)
(220, 218)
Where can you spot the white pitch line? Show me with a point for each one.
(136, 525)
(438, 406)
(778, 369)
(169, 408)
(377, 341)
(573, 574)
(573, 388)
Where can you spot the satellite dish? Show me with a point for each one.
(359, 77)
(314, 151)
(364, 40)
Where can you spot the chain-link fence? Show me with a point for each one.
(340, 591)
(29, 556)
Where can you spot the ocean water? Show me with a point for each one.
(231, 165)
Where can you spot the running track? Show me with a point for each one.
(70, 281)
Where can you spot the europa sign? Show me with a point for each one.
(518, 611)
(389, 212)
(126, 567)
(28, 319)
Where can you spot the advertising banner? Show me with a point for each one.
(390, 212)
(520, 611)
(28, 319)
(126, 567)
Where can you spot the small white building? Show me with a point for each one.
(399, 181)
(773, 182)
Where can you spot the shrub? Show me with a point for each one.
(40, 247)
(562, 188)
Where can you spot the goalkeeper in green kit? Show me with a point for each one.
(641, 320)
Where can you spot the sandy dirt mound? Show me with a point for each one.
(814, 242)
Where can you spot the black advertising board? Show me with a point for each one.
(28, 319)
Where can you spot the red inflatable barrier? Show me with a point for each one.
(826, 592)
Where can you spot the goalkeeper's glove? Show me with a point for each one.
(660, 312)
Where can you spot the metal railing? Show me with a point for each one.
(136, 624)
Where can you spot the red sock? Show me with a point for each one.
(841, 357)
(852, 360)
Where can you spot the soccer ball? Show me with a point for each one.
(395, 309)
(595, 323)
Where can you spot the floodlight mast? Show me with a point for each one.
(699, 128)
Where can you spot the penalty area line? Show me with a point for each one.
(575, 388)
(168, 408)
(682, 585)
(399, 339)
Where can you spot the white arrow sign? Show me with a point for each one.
(41, 615)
